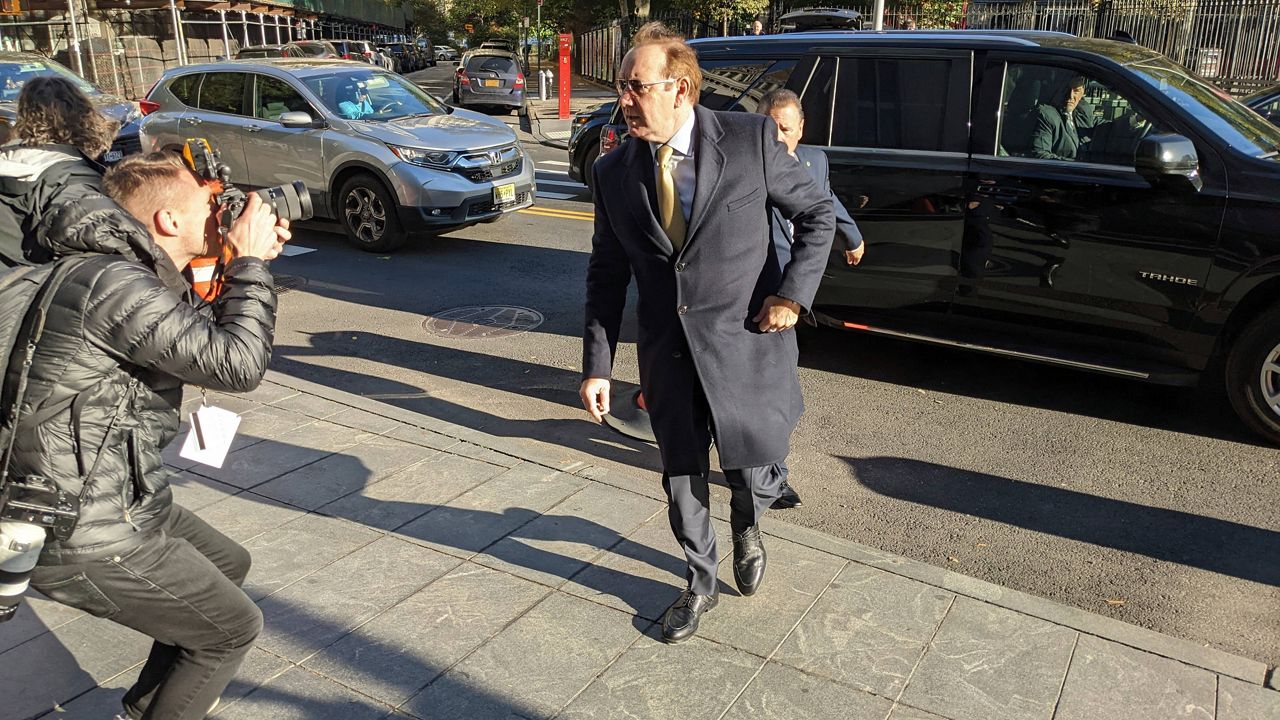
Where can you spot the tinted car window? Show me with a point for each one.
(777, 77)
(724, 81)
(815, 98)
(184, 88)
(1103, 127)
(276, 97)
(491, 63)
(223, 92)
(900, 103)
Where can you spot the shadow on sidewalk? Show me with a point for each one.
(1207, 543)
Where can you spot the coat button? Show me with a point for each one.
(677, 354)
(682, 309)
(681, 266)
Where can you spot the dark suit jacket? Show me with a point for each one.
(1052, 139)
(695, 312)
(814, 160)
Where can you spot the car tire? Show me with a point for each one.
(1253, 375)
(588, 162)
(369, 215)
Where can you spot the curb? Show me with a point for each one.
(1139, 638)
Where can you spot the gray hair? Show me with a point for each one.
(779, 98)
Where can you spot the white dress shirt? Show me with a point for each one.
(682, 170)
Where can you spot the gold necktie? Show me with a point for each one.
(670, 213)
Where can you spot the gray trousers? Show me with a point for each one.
(752, 491)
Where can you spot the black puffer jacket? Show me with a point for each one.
(120, 331)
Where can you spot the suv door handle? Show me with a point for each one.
(253, 128)
(192, 120)
(1002, 191)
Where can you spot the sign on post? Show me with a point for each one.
(566, 75)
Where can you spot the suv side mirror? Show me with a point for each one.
(298, 119)
(1163, 159)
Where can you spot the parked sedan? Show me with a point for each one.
(446, 53)
(584, 140)
(270, 51)
(489, 78)
(378, 154)
(317, 48)
(16, 68)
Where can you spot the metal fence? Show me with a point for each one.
(1233, 43)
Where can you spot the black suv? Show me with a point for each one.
(1145, 245)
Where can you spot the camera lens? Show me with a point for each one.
(291, 201)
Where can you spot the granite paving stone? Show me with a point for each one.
(560, 543)
(782, 693)
(363, 420)
(906, 712)
(1109, 681)
(301, 695)
(397, 653)
(795, 576)
(988, 663)
(66, 662)
(260, 462)
(345, 472)
(477, 518)
(516, 667)
(868, 630)
(245, 516)
(694, 680)
(419, 436)
(313, 405)
(269, 422)
(195, 492)
(642, 575)
(36, 616)
(489, 455)
(411, 493)
(269, 392)
(325, 605)
(1241, 701)
(299, 548)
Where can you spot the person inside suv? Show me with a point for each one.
(1058, 132)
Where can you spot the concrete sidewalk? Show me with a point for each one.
(544, 115)
(412, 568)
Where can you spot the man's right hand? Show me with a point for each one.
(595, 397)
(253, 234)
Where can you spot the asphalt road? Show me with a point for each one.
(1147, 504)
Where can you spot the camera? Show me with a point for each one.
(291, 201)
(30, 508)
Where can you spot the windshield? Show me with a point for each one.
(372, 95)
(1237, 125)
(13, 75)
(491, 63)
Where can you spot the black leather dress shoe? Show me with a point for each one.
(748, 560)
(788, 498)
(681, 621)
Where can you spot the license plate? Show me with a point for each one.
(504, 194)
(493, 83)
(112, 156)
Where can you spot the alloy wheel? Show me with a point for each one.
(365, 215)
(1269, 380)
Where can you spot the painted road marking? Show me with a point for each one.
(557, 163)
(554, 172)
(562, 183)
(560, 214)
(291, 250)
(556, 195)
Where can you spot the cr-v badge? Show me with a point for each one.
(1167, 278)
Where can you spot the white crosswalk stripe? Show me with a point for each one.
(557, 163)
(291, 250)
(556, 195)
(562, 183)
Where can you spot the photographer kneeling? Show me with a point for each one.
(106, 385)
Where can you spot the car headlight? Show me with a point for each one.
(426, 158)
(133, 113)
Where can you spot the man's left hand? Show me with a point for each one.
(777, 314)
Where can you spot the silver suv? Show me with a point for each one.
(378, 154)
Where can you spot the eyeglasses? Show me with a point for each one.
(638, 88)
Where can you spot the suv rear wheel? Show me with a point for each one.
(1253, 375)
(368, 214)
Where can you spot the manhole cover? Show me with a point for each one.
(482, 321)
(285, 283)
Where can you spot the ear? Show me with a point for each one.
(683, 90)
(165, 223)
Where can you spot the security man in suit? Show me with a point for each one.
(684, 208)
(784, 107)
